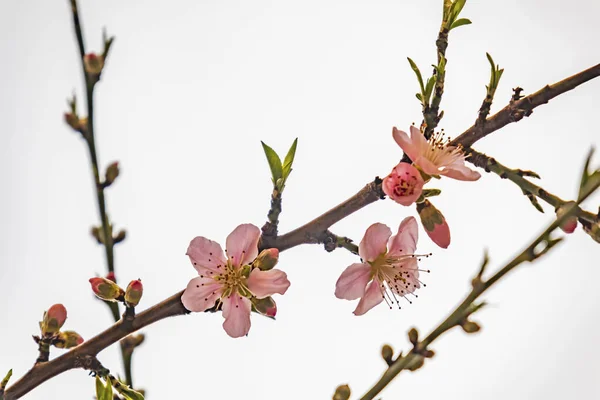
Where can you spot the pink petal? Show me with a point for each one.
(373, 296)
(267, 283)
(426, 166)
(440, 234)
(374, 242)
(236, 311)
(405, 143)
(352, 282)
(460, 172)
(201, 294)
(419, 141)
(242, 244)
(405, 241)
(206, 256)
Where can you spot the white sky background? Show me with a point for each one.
(190, 89)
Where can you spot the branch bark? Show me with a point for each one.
(516, 110)
(79, 356)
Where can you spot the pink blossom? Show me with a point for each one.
(434, 156)
(230, 280)
(434, 223)
(389, 269)
(404, 184)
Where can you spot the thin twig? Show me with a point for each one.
(91, 144)
(528, 188)
(415, 358)
(516, 110)
(312, 231)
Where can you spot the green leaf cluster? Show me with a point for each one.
(280, 171)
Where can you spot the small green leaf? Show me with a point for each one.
(460, 22)
(130, 394)
(289, 160)
(585, 174)
(455, 9)
(104, 392)
(6, 379)
(418, 73)
(274, 162)
(429, 88)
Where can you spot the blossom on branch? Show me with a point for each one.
(404, 184)
(389, 269)
(229, 279)
(434, 156)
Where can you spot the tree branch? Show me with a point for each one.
(516, 110)
(529, 189)
(78, 356)
(312, 231)
(415, 358)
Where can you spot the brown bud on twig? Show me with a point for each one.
(342, 392)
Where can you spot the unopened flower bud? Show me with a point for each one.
(267, 259)
(112, 172)
(93, 63)
(134, 292)
(72, 120)
(471, 327)
(568, 225)
(120, 236)
(434, 223)
(387, 353)
(98, 234)
(342, 392)
(68, 339)
(404, 184)
(413, 336)
(106, 289)
(54, 319)
(266, 306)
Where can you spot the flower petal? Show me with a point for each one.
(206, 255)
(427, 166)
(266, 283)
(242, 244)
(374, 242)
(236, 311)
(418, 139)
(201, 294)
(405, 143)
(460, 172)
(405, 241)
(372, 297)
(353, 281)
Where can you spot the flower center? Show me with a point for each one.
(398, 276)
(441, 153)
(234, 280)
(406, 185)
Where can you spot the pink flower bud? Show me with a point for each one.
(93, 63)
(434, 223)
(134, 292)
(266, 306)
(267, 259)
(568, 225)
(404, 184)
(54, 319)
(72, 120)
(106, 289)
(68, 339)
